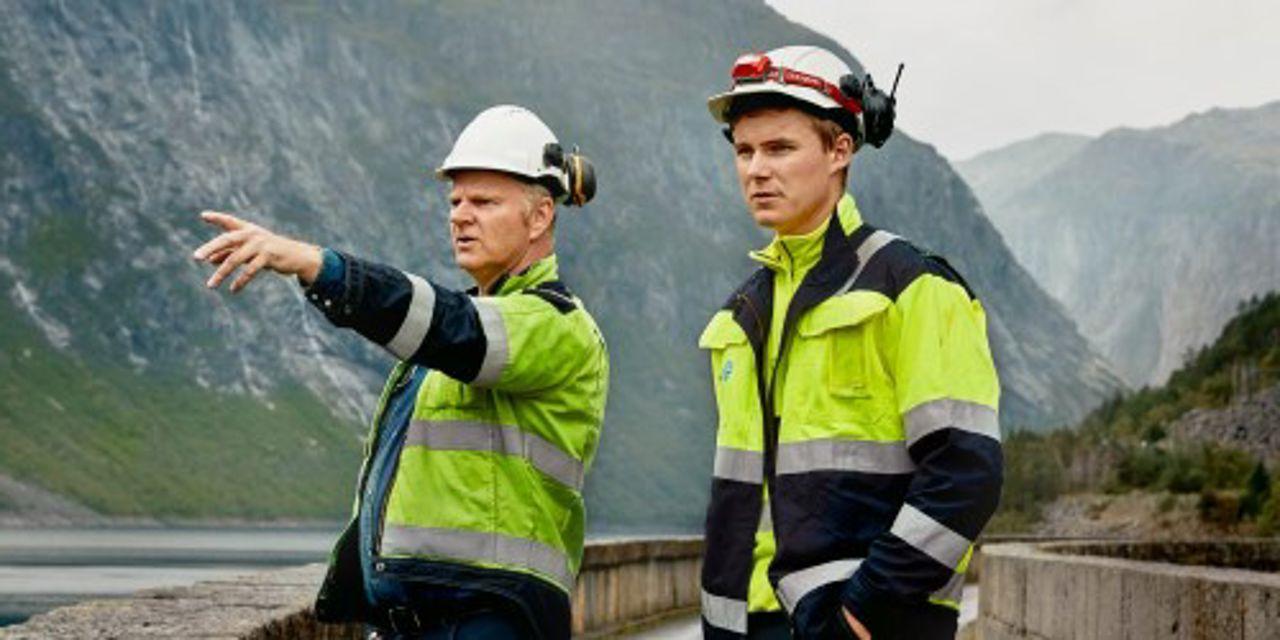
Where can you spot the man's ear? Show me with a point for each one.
(542, 218)
(842, 152)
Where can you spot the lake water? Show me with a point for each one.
(44, 568)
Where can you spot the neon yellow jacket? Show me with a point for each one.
(875, 434)
(483, 485)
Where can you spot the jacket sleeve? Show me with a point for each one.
(519, 343)
(948, 393)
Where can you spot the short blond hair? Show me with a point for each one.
(534, 192)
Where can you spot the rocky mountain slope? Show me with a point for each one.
(127, 386)
(1149, 238)
(1213, 430)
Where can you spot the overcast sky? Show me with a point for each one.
(983, 73)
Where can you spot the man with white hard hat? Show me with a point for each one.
(469, 515)
(858, 450)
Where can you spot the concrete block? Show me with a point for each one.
(1091, 591)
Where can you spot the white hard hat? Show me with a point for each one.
(809, 74)
(513, 140)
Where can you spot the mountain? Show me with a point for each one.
(1149, 237)
(129, 387)
(1006, 170)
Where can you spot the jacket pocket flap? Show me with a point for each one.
(842, 311)
(721, 332)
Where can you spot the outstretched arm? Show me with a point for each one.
(255, 248)
(519, 343)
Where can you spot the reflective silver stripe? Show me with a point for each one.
(413, 329)
(930, 536)
(869, 247)
(953, 591)
(740, 465)
(794, 586)
(926, 418)
(725, 613)
(459, 435)
(495, 332)
(863, 456)
(478, 546)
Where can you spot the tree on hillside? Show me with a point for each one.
(1256, 492)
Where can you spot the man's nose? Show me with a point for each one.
(758, 167)
(460, 214)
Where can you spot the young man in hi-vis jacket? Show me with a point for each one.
(858, 449)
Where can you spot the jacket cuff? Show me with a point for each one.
(336, 288)
(871, 606)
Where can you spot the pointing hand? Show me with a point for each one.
(256, 248)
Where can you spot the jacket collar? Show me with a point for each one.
(544, 270)
(790, 252)
(839, 251)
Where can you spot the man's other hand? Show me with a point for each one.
(256, 248)
(855, 626)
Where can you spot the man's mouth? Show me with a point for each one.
(464, 242)
(761, 197)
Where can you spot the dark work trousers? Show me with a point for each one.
(768, 625)
(929, 622)
(481, 625)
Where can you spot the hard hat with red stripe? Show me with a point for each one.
(813, 79)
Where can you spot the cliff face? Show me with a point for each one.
(121, 121)
(1149, 238)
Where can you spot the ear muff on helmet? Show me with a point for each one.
(878, 108)
(582, 179)
(580, 174)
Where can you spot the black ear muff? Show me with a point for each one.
(877, 115)
(878, 108)
(582, 179)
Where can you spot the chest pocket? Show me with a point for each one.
(443, 397)
(733, 372)
(838, 348)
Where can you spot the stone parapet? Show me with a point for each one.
(1084, 591)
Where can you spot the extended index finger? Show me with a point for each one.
(225, 220)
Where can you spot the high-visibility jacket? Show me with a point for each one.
(874, 435)
(483, 490)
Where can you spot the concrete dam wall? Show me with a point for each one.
(1113, 590)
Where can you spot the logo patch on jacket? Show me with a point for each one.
(726, 371)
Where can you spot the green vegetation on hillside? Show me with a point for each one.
(1205, 380)
(1123, 444)
(148, 444)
